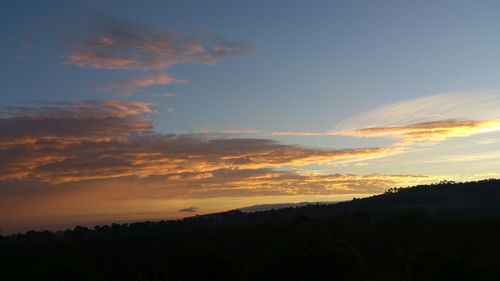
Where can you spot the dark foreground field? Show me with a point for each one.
(440, 232)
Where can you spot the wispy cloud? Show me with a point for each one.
(117, 44)
(303, 133)
(97, 60)
(231, 132)
(435, 131)
(131, 86)
(430, 119)
(112, 44)
(482, 157)
(473, 105)
(162, 95)
(427, 120)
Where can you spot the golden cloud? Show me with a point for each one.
(435, 131)
(265, 182)
(110, 139)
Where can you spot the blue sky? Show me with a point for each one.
(312, 64)
(189, 103)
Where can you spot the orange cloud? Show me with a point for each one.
(267, 182)
(74, 123)
(109, 139)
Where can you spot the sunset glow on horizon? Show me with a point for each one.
(121, 112)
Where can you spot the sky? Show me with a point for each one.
(118, 111)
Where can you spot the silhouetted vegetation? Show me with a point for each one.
(446, 231)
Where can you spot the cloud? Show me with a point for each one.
(270, 182)
(69, 123)
(189, 210)
(480, 157)
(303, 133)
(109, 139)
(472, 105)
(115, 44)
(155, 95)
(111, 44)
(103, 61)
(429, 120)
(34, 138)
(73, 162)
(133, 85)
(433, 132)
(225, 133)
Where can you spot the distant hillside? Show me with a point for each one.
(444, 200)
(269, 207)
(479, 199)
(445, 231)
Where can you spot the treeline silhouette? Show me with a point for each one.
(445, 231)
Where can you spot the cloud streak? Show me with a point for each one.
(431, 119)
(131, 86)
(436, 131)
(472, 105)
(269, 182)
(428, 120)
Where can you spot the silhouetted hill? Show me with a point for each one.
(445, 231)
(444, 200)
(269, 207)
